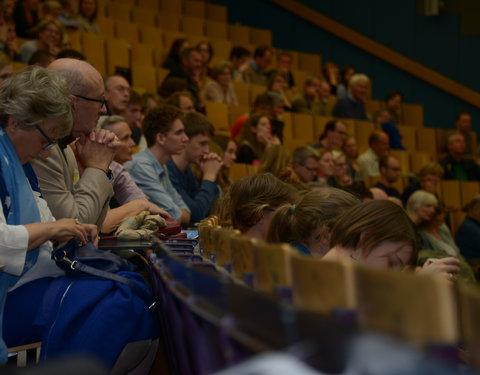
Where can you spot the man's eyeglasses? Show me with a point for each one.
(103, 102)
(50, 143)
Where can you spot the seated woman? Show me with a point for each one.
(220, 90)
(252, 201)
(428, 179)
(206, 51)
(49, 38)
(89, 316)
(340, 172)
(278, 83)
(87, 16)
(228, 152)
(306, 225)
(172, 60)
(436, 239)
(255, 137)
(376, 233)
(326, 168)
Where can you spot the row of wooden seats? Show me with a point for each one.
(381, 300)
(187, 8)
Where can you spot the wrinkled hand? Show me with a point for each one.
(98, 149)
(210, 166)
(155, 210)
(71, 227)
(445, 267)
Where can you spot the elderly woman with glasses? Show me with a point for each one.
(35, 111)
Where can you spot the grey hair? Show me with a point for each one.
(77, 84)
(419, 199)
(357, 78)
(34, 95)
(106, 121)
(301, 154)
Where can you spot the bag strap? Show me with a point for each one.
(79, 266)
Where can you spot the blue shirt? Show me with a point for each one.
(153, 179)
(198, 197)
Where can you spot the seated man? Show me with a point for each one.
(468, 234)
(333, 136)
(134, 114)
(68, 195)
(463, 124)
(165, 135)
(389, 173)
(239, 59)
(190, 71)
(353, 106)
(256, 73)
(198, 197)
(305, 163)
(284, 66)
(368, 161)
(117, 94)
(455, 165)
(314, 97)
(182, 100)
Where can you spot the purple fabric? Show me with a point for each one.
(125, 188)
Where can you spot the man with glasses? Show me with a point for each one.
(117, 94)
(305, 163)
(69, 194)
(390, 171)
(333, 136)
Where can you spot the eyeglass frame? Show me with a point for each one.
(103, 101)
(49, 140)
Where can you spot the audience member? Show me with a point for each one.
(269, 104)
(51, 10)
(359, 190)
(228, 154)
(239, 59)
(305, 163)
(26, 17)
(421, 208)
(134, 114)
(353, 106)
(171, 86)
(173, 60)
(87, 16)
(117, 94)
(165, 135)
(220, 89)
(457, 167)
(256, 72)
(198, 197)
(342, 88)
(428, 179)
(278, 84)
(9, 45)
(190, 70)
(283, 66)
(340, 172)
(383, 120)
(378, 194)
(331, 72)
(463, 124)
(6, 67)
(333, 136)
(390, 171)
(468, 234)
(306, 225)
(393, 104)
(310, 100)
(368, 161)
(377, 234)
(277, 160)
(255, 137)
(128, 200)
(151, 100)
(69, 195)
(49, 37)
(254, 199)
(206, 51)
(351, 152)
(183, 100)
(68, 15)
(326, 167)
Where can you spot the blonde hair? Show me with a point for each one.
(275, 160)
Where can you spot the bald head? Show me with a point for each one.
(84, 81)
(378, 193)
